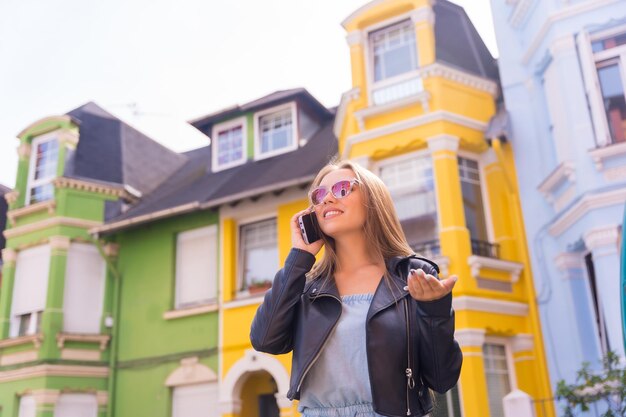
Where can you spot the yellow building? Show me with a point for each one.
(425, 90)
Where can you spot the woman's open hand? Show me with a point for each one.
(426, 287)
(296, 236)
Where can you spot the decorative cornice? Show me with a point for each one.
(59, 243)
(601, 237)
(68, 138)
(62, 119)
(376, 110)
(424, 14)
(489, 305)
(52, 222)
(354, 38)
(470, 337)
(441, 70)
(479, 262)
(101, 339)
(565, 261)
(82, 185)
(48, 370)
(9, 255)
(517, 18)
(35, 339)
(44, 396)
(584, 205)
(522, 342)
(14, 214)
(190, 372)
(564, 171)
(11, 196)
(346, 98)
(23, 150)
(443, 142)
(599, 155)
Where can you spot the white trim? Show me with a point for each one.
(522, 8)
(227, 125)
(565, 261)
(564, 171)
(294, 126)
(477, 263)
(48, 370)
(190, 372)
(57, 119)
(31, 182)
(443, 142)
(243, 302)
(599, 155)
(561, 14)
(432, 117)
(584, 205)
(346, 98)
(600, 237)
(376, 110)
(191, 311)
(50, 222)
(230, 390)
(470, 337)
(360, 10)
(488, 305)
(522, 342)
(506, 342)
(239, 294)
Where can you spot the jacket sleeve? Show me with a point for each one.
(440, 356)
(272, 327)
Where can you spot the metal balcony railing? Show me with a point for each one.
(428, 249)
(487, 249)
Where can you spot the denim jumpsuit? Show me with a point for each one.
(338, 384)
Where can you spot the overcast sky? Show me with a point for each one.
(158, 63)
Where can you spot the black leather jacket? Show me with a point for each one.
(300, 316)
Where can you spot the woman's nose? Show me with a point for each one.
(329, 197)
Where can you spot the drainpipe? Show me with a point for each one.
(623, 248)
(117, 285)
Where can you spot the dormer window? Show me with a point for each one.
(229, 144)
(276, 131)
(43, 169)
(394, 50)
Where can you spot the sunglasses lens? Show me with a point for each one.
(341, 189)
(318, 195)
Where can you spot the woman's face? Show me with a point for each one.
(338, 216)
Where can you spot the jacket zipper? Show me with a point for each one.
(319, 352)
(410, 382)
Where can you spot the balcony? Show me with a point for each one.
(485, 249)
(428, 249)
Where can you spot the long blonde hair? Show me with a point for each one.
(382, 228)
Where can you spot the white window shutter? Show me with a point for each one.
(198, 400)
(196, 266)
(76, 405)
(28, 407)
(592, 88)
(31, 283)
(84, 289)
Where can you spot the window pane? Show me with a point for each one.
(276, 131)
(497, 377)
(614, 101)
(230, 145)
(196, 267)
(609, 43)
(473, 206)
(42, 193)
(448, 404)
(195, 401)
(76, 405)
(412, 188)
(28, 407)
(46, 159)
(394, 50)
(259, 251)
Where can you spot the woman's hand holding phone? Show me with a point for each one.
(296, 234)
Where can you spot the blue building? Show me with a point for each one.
(563, 75)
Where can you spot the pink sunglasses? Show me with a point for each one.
(340, 189)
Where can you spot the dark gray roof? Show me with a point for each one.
(195, 182)
(112, 151)
(203, 123)
(458, 43)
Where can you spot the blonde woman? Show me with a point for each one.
(370, 325)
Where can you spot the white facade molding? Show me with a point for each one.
(443, 142)
(376, 110)
(561, 14)
(15, 214)
(600, 155)
(583, 206)
(565, 171)
(112, 250)
(23, 356)
(48, 370)
(477, 263)
(62, 119)
(441, 70)
(59, 243)
(190, 372)
(517, 18)
(522, 342)
(193, 311)
(81, 354)
(35, 339)
(602, 237)
(488, 305)
(346, 99)
(615, 174)
(94, 187)
(9, 256)
(563, 45)
(355, 37)
(52, 222)
(44, 396)
(68, 138)
(232, 384)
(565, 261)
(422, 15)
(470, 337)
(101, 339)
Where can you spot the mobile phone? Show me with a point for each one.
(309, 228)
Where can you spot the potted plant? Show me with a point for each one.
(258, 286)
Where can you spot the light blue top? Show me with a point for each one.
(338, 385)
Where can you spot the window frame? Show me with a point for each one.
(31, 183)
(510, 362)
(258, 155)
(240, 291)
(479, 159)
(370, 46)
(203, 231)
(225, 126)
(212, 385)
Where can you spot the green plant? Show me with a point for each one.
(608, 385)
